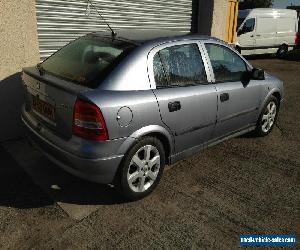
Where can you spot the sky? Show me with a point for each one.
(284, 3)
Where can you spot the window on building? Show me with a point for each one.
(180, 65)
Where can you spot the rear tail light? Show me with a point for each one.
(88, 121)
(297, 39)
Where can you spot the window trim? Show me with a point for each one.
(157, 48)
(249, 67)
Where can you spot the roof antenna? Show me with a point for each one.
(88, 11)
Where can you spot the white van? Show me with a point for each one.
(264, 31)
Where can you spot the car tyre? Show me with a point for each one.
(267, 118)
(141, 169)
(282, 51)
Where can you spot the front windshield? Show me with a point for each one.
(239, 22)
(86, 59)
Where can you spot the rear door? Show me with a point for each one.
(286, 30)
(50, 101)
(186, 99)
(238, 100)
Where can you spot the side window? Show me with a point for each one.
(249, 25)
(159, 72)
(180, 65)
(227, 65)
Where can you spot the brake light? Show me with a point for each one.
(88, 121)
(297, 38)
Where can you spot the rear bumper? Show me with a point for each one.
(101, 170)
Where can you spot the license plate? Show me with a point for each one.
(44, 108)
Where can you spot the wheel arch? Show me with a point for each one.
(284, 44)
(274, 92)
(156, 131)
(277, 95)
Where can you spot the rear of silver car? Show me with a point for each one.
(63, 122)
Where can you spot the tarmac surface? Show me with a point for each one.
(241, 186)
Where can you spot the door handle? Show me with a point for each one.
(258, 35)
(174, 106)
(224, 97)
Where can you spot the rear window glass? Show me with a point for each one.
(87, 60)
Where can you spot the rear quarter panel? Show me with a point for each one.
(140, 106)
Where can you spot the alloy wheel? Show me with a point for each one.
(143, 168)
(269, 116)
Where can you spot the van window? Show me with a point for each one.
(227, 65)
(87, 60)
(266, 25)
(179, 65)
(249, 25)
(240, 20)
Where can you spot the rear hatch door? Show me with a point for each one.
(52, 86)
(50, 100)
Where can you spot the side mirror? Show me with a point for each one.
(258, 74)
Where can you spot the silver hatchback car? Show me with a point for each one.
(117, 109)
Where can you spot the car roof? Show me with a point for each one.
(139, 37)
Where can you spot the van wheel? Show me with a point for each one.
(282, 51)
(267, 118)
(141, 169)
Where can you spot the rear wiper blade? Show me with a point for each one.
(40, 69)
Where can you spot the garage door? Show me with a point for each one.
(60, 21)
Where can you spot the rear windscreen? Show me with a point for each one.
(87, 60)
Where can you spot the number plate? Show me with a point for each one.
(44, 108)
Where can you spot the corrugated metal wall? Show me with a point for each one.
(60, 21)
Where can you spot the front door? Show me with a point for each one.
(186, 99)
(238, 98)
(246, 37)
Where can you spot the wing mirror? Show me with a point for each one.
(258, 74)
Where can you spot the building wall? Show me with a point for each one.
(18, 48)
(18, 32)
(219, 18)
(212, 18)
(205, 16)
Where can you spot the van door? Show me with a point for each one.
(265, 37)
(246, 35)
(286, 30)
(186, 99)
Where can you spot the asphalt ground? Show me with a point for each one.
(242, 186)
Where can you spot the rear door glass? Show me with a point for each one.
(179, 65)
(87, 60)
